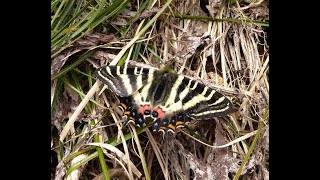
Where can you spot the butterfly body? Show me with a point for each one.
(170, 99)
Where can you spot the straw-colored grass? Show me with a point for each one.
(223, 44)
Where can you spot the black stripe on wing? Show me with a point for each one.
(124, 81)
(200, 102)
(205, 103)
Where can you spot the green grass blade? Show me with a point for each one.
(79, 164)
(90, 19)
(56, 34)
(103, 164)
(95, 20)
(81, 94)
(253, 144)
(139, 34)
(113, 142)
(75, 64)
(63, 15)
(142, 157)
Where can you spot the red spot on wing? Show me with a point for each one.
(143, 108)
(160, 112)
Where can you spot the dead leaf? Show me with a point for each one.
(95, 39)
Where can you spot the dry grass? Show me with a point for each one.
(231, 57)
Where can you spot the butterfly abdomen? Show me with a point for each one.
(161, 87)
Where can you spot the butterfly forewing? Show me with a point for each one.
(124, 81)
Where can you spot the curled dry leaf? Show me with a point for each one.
(120, 21)
(76, 174)
(58, 115)
(216, 78)
(60, 60)
(95, 39)
(149, 12)
(115, 173)
(65, 105)
(85, 42)
(218, 169)
(103, 57)
(60, 171)
(71, 99)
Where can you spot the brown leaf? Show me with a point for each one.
(95, 39)
(149, 13)
(60, 60)
(67, 103)
(116, 173)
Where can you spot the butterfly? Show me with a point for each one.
(171, 100)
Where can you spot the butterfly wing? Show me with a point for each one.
(196, 100)
(182, 96)
(124, 81)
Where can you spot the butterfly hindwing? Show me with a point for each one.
(203, 102)
(124, 81)
(196, 100)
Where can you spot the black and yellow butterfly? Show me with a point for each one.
(170, 99)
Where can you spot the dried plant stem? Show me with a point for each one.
(254, 142)
(138, 35)
(157, 152)
(143, 159)
(241, 21)
(225, 145)
(78, 110)
(125, 146)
